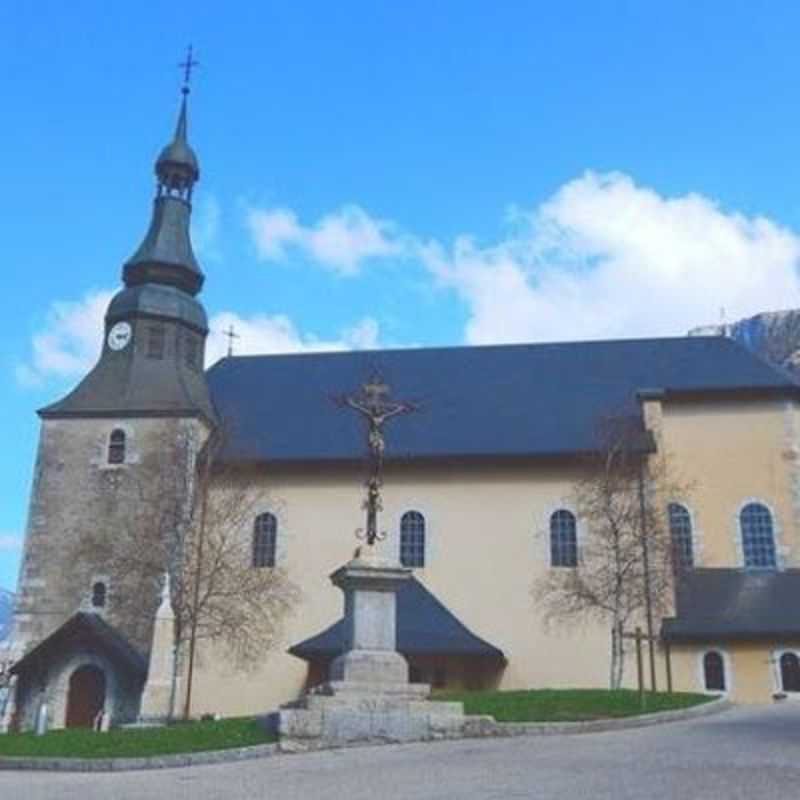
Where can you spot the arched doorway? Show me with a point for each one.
(714, 671)
(790, 672)
(86, 697)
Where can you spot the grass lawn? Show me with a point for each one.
(182, 737)
(568, 705)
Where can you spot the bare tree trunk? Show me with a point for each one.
(648, 588)
(187, 709)
(612, 671)
(173, 684)
(620, 657)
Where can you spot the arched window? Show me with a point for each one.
(790, 672)
(116, 447)
(680, 528)
(99, 595)
(265, 534)
(563, 539)
(412, 539)
(714, 671)
(758, 539)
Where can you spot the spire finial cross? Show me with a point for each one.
(231, 335)
(187, 67)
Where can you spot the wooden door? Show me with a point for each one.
(86, 698)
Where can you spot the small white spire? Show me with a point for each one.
(165, 607)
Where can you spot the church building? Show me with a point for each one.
(478, 500)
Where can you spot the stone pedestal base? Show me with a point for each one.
(368, 697)
(369, 666)
(349, 712)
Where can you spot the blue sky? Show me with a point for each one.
(380, 174)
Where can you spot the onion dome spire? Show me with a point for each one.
(165, 256)
(177, 167)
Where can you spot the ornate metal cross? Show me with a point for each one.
(373, 403)
(187, 67)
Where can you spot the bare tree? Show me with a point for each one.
(184, 513)
(625, 565)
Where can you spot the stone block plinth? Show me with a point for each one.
(348, 713)
(368, 697)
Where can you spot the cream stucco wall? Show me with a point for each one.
(487, 544)
(752, 673)
(731, 453)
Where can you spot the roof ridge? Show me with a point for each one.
(483, 347)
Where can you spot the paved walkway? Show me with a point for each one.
(744, 753)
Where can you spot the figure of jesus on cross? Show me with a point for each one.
(375, 406)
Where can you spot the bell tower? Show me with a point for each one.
(155, 328)
(146, 392)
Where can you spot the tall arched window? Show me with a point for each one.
(790, 672)
(99, 595)
(714, 671)
(265, 534)
(412, 539)
(116, 447)
(563, 539)
(680, 528)
(758, 538)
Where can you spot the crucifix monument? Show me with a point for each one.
(367, 696)
(375, 406)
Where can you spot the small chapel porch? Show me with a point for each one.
(83, 669)
(439, 648)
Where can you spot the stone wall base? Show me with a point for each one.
(347, 712)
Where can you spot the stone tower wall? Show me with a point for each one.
(76, 489)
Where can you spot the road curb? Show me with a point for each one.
(487, 727)
(149, 762)
(477, 727)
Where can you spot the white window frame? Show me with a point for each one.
(697, 536)
(777, 678)
(276, 549)
(781, 553)
(132, 455)
(727, 666)
(430, 541)
(425, 548)
(581, 533)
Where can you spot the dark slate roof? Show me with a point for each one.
(510, 400)
(735, 604)
(156, 300)
(424, 627)
(84, 631)
(127, 383)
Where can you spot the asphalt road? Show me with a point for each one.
(744, 753)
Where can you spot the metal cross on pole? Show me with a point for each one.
(187, 67)
(231, 335)
(373, 403)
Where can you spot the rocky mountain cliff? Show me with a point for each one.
(774, 335)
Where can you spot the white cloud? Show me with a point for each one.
(601, 258)
(341, 241)
(278, 334)
(70, 341)
(10, 542)
(607, 258)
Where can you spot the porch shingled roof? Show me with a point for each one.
(424, 627)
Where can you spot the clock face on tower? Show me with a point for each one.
(119, 335)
